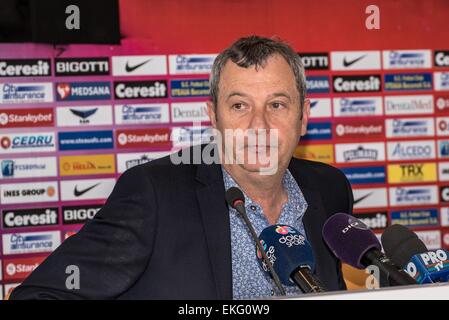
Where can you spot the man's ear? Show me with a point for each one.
(305, 116)
(211, 113)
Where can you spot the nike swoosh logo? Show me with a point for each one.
(347, 63)
(362, 198)
(129, 68)
(79, 193)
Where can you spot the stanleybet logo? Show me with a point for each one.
(284, 230)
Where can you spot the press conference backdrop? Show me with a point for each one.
(73, 118)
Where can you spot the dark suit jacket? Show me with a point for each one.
(164, 233)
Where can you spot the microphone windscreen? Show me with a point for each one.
(234, 194)
(401, 244)
(349, 238)
(287, 249)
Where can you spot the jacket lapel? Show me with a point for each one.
(210, 193)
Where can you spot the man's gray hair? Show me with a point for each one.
(254, 51)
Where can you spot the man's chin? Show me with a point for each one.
(263, 169)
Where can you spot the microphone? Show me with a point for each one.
(236, 199)
(291, 256)
(407, 250)
(355, 244)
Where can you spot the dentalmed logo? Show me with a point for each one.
(358, 106)
(410, 127)
(76, 91)
(407, 105)
(191, 63)
(407, 59)
(189, 112)
(31, 242)
(413, 195)
(141, 113)
(27, 142)
(35, 92)
(354, 152)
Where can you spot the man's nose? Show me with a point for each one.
(259, 119)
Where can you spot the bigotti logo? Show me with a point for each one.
(285, 230)
(317, 84)
(28, 167)
(407, 59)
(26, 92)
(441, 80)
(20, 268)
(315, 61)
(141, 113)
(415, 127)
(31, 242)
(441, 103)
(29, 192)
(16, 118)
(406, 105)
(82, 66)
(22, 142)
(25, 68)
(359, 129)
(79, 214)
(369, 106)
(362, 83)
(189, 112)
(411, 150)
(143, 137)
(74, 91)
(191, 63)
(442, 58)
(30, 217)
(140, 89)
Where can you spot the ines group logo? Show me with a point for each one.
(31, 242)
(76, 91)
(19, 118)
(26, 92)
(29, 192)
(27, 142)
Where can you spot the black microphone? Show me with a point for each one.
(236, 199)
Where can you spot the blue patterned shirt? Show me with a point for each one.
(249, 281)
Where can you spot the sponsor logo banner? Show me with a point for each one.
(9, 288)
(34, 92)
(408, 81)
(415, 218)
(441, 58)
(89, 189)
(31, 242)
(377, 220)
(443, 149)
(191, 63)
(362, 175)
(187, 136)
(126, 161)
(85, 140)
(444, 217)
(359, 83)
(98, 66)
(410, 128)
(355, 60)
(355, 152)
(406, 105)
(80, 91)
(443, 171)
(141, 113)
(407, 59)
(29, 192)
(442, 124)
(148, 89)
(27, 142)
(320, 108)
(84, 116)
(359, 129)
(441, 81)
(87, 164)
(315, 61)
(444, 194)
(411, 150)
(431, 238)
(25, 68)
(412, 172)
(79, 214)
(19, 118)
(139, 65)
(318, 131)
(20, 218)
(189, 112)
(20, 268)
(189, 88)
(141, 138)
(358, 106)
(319, 152)
(370, 198)
(441, 103)
(28, 167)
(413, 195)
(317, 84)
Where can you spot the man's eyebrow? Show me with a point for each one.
(236, 93)
(280, 94)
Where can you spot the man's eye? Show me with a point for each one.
(237, 106)
(277, 105)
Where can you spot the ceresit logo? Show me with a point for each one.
(407, 59)
(441, 81)
(413, 195)
(320, 152)
(26, 92)
(284, 230)
(31, 242)
(29, 192)
(75, 91)
(13, 168)
(412, 172)
(411, 150)
(25, 68)
(355, 152)
(141, 113)
(19, 118)
(358, 106)
(191, 63)
(357, 83)
(410, 127)
(84, 116)
(87, 164)
(355, 60)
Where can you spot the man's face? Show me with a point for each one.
(264, 101)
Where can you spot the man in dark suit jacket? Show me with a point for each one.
(165, 231)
